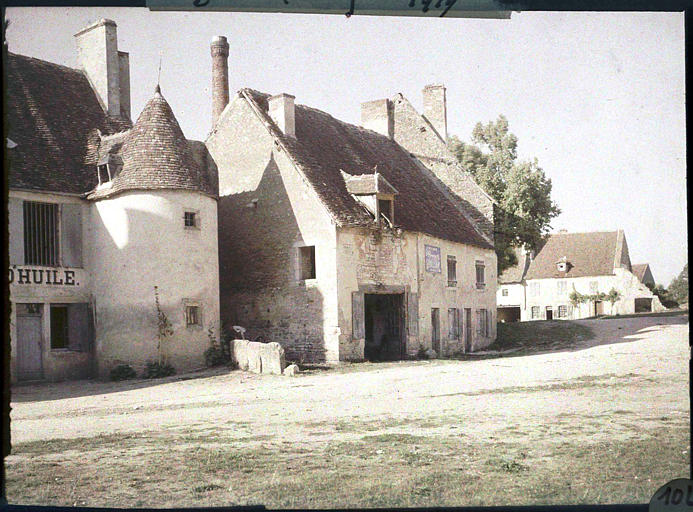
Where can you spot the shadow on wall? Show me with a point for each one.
(259, 261)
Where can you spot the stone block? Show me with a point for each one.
(254, 360)
(239, 353)
(272, 358)
(291, 370)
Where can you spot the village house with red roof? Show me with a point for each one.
(587, 266)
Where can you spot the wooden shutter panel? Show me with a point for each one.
(79, 326)
(71, 235)
(358, 317)
(16, 219)
(413, 314)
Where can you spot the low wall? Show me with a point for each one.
(258, 357)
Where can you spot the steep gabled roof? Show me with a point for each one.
(54, 117)
(325, 147)
(643, 272)
(156, 155)
(587, 254)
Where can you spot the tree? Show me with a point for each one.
(678, 289)
(521, 189)
(664, 296)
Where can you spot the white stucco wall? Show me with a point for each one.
(138, 241)
(58, 285)
(515, 296)
(622, 280)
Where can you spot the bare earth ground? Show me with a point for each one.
(603, 420)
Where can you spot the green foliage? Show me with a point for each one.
(218, 352)
(664, 296)
(678, 289)
(165, 329)
(521, 189)
(613, 296)
(156, 370)
(122, 372)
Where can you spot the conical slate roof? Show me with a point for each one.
(156, 155)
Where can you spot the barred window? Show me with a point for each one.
(41, 237)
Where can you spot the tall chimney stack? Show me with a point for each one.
(220, 76)
(435, 109)
(97, 49)
(282, 110)
(376, 115)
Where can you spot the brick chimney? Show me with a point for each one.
(220, 76)
(377, 115)
(107, 69)
(435, 109)
(283, 112)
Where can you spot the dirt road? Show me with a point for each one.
(634, 372)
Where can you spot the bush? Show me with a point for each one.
(122, 372)
(155, 370)
(218, 353)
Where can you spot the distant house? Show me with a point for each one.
(643, 272)
(589, 264)
(344, 242)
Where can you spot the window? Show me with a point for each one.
(452, 271)
(561, 287)
(306, 262)
(482, 322)
(594, 286)
(41, 241)
(453, 324)
(192, 315)
(504, 292)
(385, 210)
(191, 219)
(480, 278)
(535, 311)
(104, 174)
(59, 327)
(562, 312)
(534, 289)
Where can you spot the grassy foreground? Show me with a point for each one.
(370, 470)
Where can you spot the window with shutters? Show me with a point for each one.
(41, 234)
(452, 271)
(480, 275)
(482, 322)
(454, 324)
(71, 327)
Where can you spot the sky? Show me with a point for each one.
(596, 98)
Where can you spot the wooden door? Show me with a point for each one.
(29, 342)
(467, 329)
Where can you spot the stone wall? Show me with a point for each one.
(266, 213)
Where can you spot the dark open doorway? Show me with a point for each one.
(384, 315)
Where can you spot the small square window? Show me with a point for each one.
(192, 315)
(306, 262)
(504, 292)
(190, 219)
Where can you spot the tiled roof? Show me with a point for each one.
(156, 155)
(641, 270)
(53, 116)
(588, 254)
(516, 273)
(324, 147)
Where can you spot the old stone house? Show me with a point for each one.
(539, 287)
(344, 242)
(102, 212)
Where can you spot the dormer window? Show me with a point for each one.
(104, 174)
(562, 264)
(385, 212)
(375, 193)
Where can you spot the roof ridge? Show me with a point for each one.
(62, 66)
(586, 232)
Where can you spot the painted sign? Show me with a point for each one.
(44, 276)
(432, 258)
